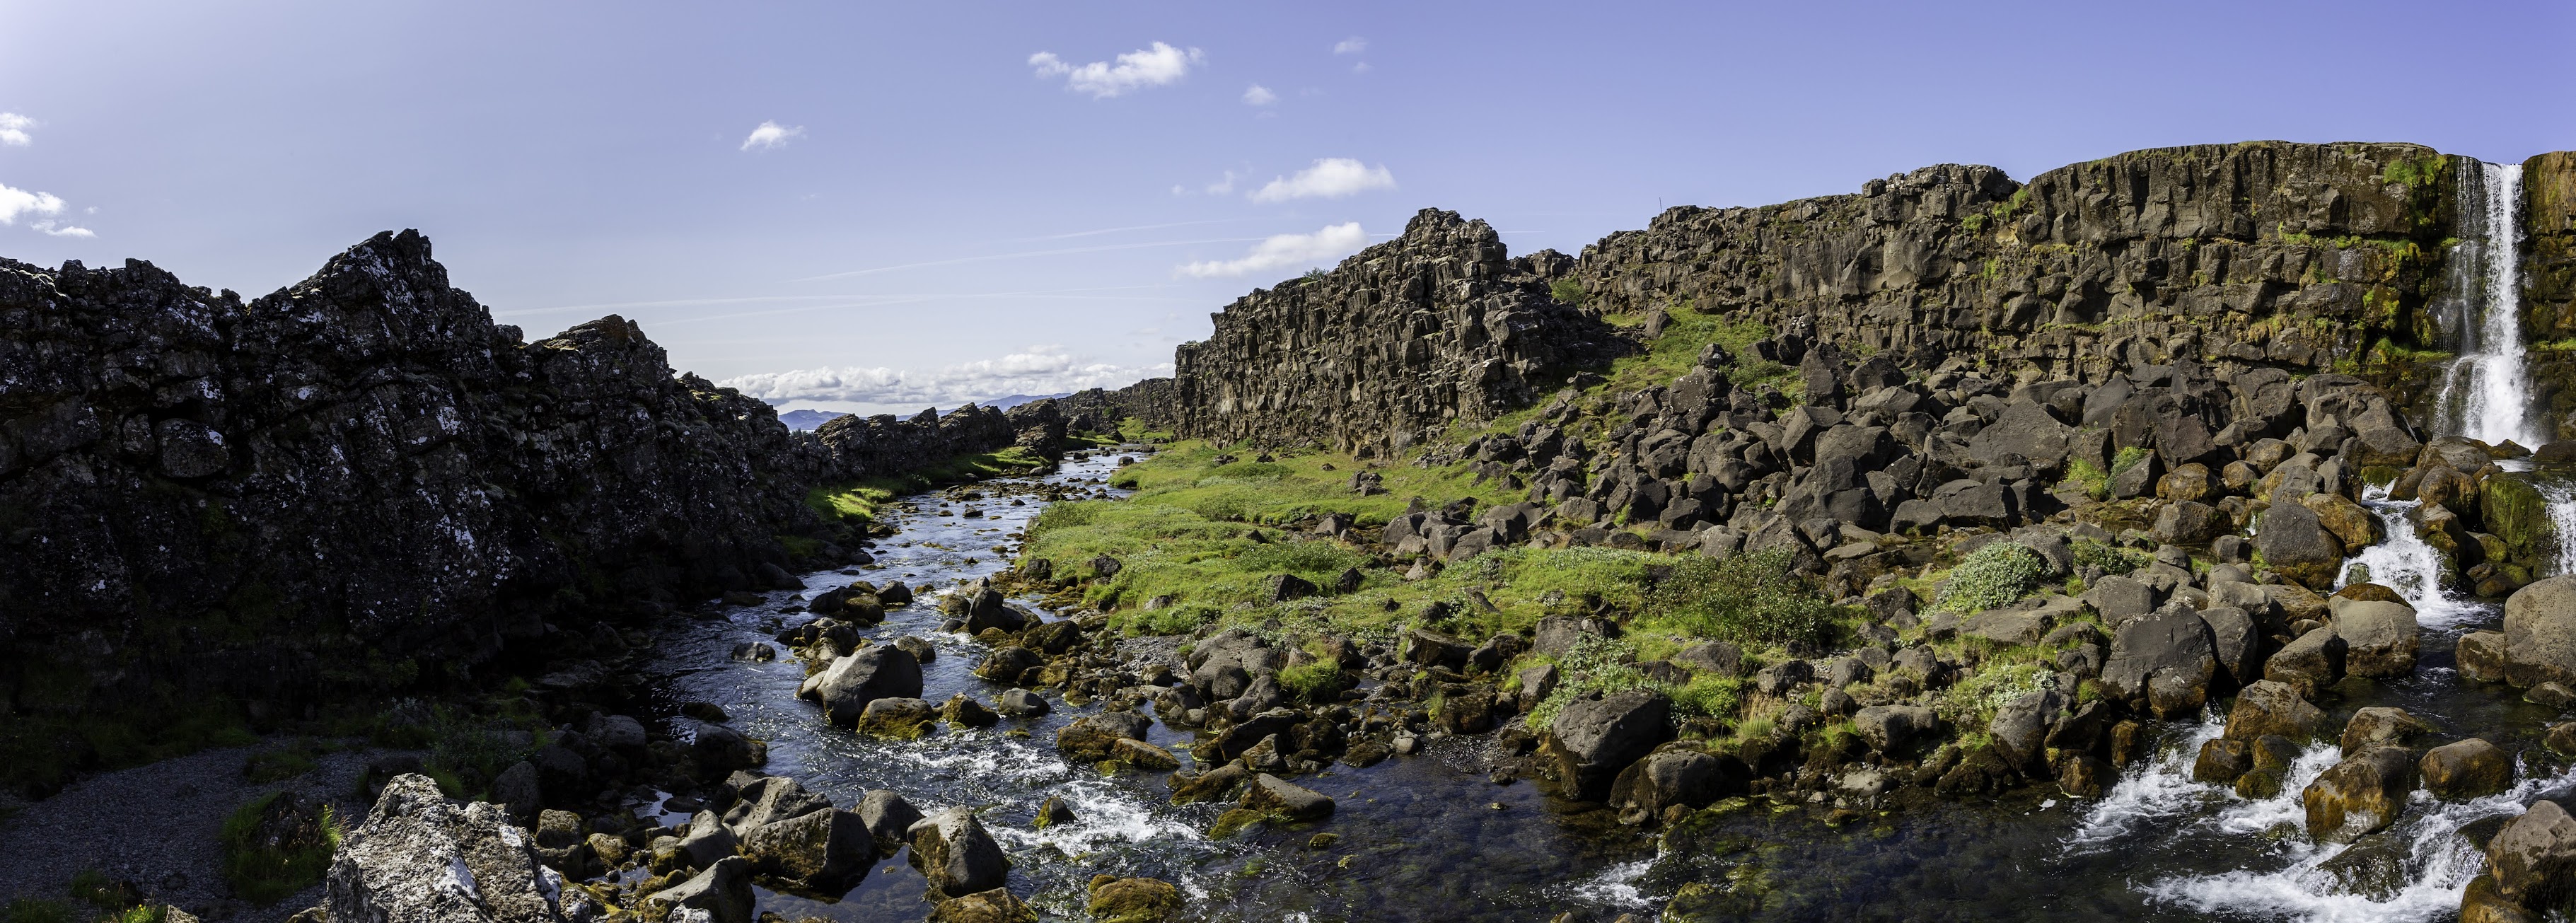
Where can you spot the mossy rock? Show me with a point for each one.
(2513, 510)
(1133, 900)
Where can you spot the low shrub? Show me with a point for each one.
(1749, 598)
(1994, 575)
(1316, 681)
(273, 848)
(2090, 478)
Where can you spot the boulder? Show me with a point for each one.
(1676, 777)
(1890, 728)
(952, 850)
(2120, 598)
(707, 840)
(2295, 543)
(1093, 738)
(2381, 725)
(2222, 760)
(2533, 858)
(896, 717)
(1008, 664)
(2466, 769)
(876, 672)
(2540, 633)
(721, 892)
(2189, 522)
(1283, 800)
(2238, 643)
(769, 800)
(2021, 726)
(2380, 638)
(825, 851)
(889, 819)
(995, 906)
(2361, 795)
(2273, 707)
(420, 858)
(1594, 738)
(2481, 656)
(1022, 703)
(2171, 648)
(2309, 663)
(1133, 900)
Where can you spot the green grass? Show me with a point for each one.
(2088, 477)
(38, 910)
(1132, 429)
(1567, 291)
(264, 873)
(856, 502)
(2128, 458)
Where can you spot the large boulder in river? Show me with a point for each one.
(2309, 663)
(823, 852)
(2361, 795)
(2297, 544)
(880, 671)
(1594, 738)
(1093, 738)
(954, 851)
(2533, 858)
(420, 858)
(768, 800)
(2273, 707)
(720, 893)
(2164, 662)
(2380, 638)
(2466, 769)
(2540, 633)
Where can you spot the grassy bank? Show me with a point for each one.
(855, 503)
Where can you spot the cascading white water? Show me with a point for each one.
(2562, 520)
(2403, 562)
(2485, 395)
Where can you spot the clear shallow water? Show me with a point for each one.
(1429, 838)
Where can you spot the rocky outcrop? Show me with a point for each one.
(359, 481)
(420, 858)
(1434, 327)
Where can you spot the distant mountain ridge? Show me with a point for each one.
(808, 420)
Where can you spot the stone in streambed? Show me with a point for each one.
(2271, 707)
(994, 906)
(2382, 725)
(2310, 663)
(2380, 638)
(847, 686)
(2540, 633)
(1093, 738)
(722, 892)
(825, 851)
(1133, 900)
(889, 819)
(1593, 739)
(954, 851)
(2361, 795)
(2466, 769)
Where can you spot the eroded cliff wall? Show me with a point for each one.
(2306, 257)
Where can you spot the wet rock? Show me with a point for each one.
(721, 891)
(2540, 633)
(2378, 725)
(847, 686)
(2380, 638)
(1093, 738)
(1142, 755)
(1594, 738)
(889, 819)
(994, 906)
(2552, 695)
(1009, 664)
(2533, 858)
(1675, 777)
(2373, 867)
(1133, 900)
(2172, 649)
(1211, 785)
(707, 841)
(953, 850)
(769, 800)
(896, 717)
(824, 851)
(1051, 813)
(2466, 769)
(962, 710)
(2272, 707)
(986, 608)
(2309, 663)
(1022, 703)
(1283, 800)
(2222, 761)
(2361, 795)
(2479, 903)
(2481, 656)
(2296, 544)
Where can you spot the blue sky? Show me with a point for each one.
(938, 212)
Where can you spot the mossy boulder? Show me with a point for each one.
(1133, 900)
(2513, 510)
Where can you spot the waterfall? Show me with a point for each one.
(2562, 520)
(2405, 563)
(2485, 395)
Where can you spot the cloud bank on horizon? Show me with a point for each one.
(1041, 369)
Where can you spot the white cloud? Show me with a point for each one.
(1351, 45)
(1259, 95)
(1360, 68)
(63, 231)
(1329, 178)
(15, 202)
(1145, 67)
(1043, 369)
(1287, 251)
(772, 134)
(13, 129)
